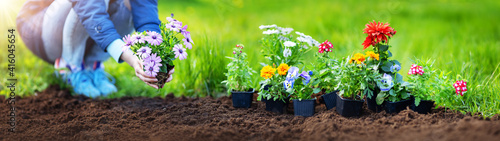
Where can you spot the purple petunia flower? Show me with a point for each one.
(144, 52)
(151, 69)
(306, 77)
(138, 38)
(180, 52)
(154, 38)
(188, 42)
(386, 83)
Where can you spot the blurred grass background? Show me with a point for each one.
(463, 36)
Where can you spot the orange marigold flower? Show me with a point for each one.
(372, 55)
(283, 69)
(267, 72)
(359, 58)
(377, 32)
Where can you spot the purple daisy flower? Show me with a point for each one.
(151, 69)
(154, 38)
(188, 42)
(174, 26)
(153, 59)
(144, 52)
(184, 31)
(180, 52)
(128, 40)
(138, 38)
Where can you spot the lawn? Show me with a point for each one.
(462, 36)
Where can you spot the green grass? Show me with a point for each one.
(462, 36)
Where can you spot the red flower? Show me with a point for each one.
(325, 46)
(377, 32)
(415, 70)
(460, 87)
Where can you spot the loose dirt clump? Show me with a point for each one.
(55, 114)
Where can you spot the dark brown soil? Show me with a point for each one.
(55, 114)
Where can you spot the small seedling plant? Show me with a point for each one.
(325, 68)
(355, 77)
(422, 80)
(300, 86)
(239, 74)
(283, 48)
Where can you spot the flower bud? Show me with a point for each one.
(234, 52)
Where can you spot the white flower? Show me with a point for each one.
(267, 26)
(304, 40)
(300, 34)
(286, 31)
(174, 26)
(289, 44)
(170, 19)
(287, 52)
(271, 31)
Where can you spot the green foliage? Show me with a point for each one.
(325, 71)
(238, 72)
(354, 79)
(423, 87)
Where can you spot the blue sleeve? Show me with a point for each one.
(145, 15)
(95, 19)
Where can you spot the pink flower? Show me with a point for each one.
(154, 38)
(325, 46)
(415, 70)
(180, 52)
(460, 87)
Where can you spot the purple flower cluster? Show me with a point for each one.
(152, 64)
(176, 26)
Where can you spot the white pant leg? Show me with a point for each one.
(52, 33)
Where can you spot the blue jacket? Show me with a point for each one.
(95, 19)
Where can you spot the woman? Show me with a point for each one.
(80, 34)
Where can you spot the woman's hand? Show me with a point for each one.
(169, 76)
(133, 61)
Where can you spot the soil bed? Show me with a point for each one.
(55, 114)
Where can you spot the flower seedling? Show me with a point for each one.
(238, 72)
(421, 80)
(158, 50)
(356, 76)
(283, 48)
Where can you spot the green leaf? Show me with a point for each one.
(390, 54)
(380, 98)
(417, 101)
(383, 48)
(369, 93)
(387, 66)
(316, 90)
(391, 92)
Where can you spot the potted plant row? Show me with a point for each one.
(239, 80)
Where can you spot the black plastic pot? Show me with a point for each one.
(372, 102)
(277, 106)
(348, 107)
(396, 107)
(304, 107)
(424, 107)
(330, 99)
(242, 99)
